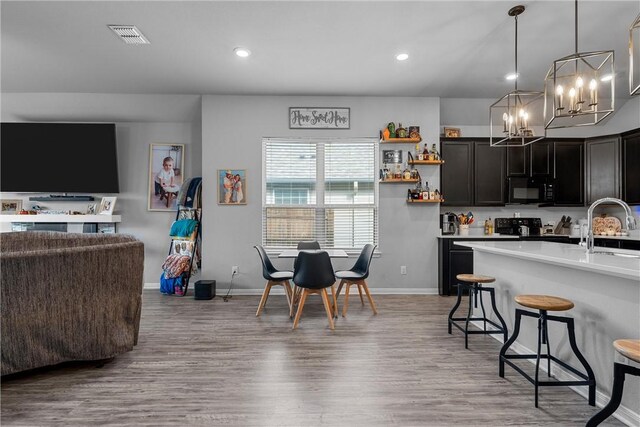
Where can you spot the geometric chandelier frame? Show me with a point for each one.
(588, 75)
(634, 57)
(511, 117)
(579, 88)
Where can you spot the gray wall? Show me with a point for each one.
(232, 132)
(166, 119)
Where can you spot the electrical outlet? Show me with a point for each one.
(235, 270)
(403, 269)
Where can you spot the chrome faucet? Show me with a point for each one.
(630, 219)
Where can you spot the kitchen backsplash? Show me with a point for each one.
(547, 214)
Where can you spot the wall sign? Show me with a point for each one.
(319, 118)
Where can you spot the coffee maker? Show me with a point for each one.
(449, 223)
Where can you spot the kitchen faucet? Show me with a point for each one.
(630, 219)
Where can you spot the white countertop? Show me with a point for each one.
(478, 236)
(566, 255)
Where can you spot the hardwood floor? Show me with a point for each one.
(216, 363)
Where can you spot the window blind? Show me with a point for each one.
(320, 189)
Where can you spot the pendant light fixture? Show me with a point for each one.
(634, 57)
(579, 88)
(512, 115)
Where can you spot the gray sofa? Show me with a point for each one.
(68, 297)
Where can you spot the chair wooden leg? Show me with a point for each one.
(296, 298)
(303, 298)
(360, 292)
(265, 295)
(334, 301)
(373, 304)
(345, 307)
(288, 292)
(327, 307)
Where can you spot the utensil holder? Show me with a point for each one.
(463, 229)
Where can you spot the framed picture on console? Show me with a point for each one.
(107, 205)
(11, 207)
(166, 176)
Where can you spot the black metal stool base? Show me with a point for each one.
(619, 371)
(474, 289)
(588, 379)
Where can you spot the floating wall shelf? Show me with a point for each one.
(396, 181)
(425, 201)
(426, 162)
(401, 140)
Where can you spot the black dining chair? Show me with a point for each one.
(314, 274)
(356, 276)
(308, 245)
(274, 277)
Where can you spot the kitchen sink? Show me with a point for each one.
(620, 254)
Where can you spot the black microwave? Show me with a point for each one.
(530, 190)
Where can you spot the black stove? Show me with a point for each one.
(511, 226)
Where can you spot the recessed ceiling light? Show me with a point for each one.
(242, 52)
(511, 76)
(402, 57)
(606, 78)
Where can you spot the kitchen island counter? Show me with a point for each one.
(572, 256)
(604, 288)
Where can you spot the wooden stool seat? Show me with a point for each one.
(544, 302)
(475, 278)
(628, 348)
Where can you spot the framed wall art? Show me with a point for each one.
(452, 132)
(232, 187)
(11, 206)
(319, 118)
(166, 175)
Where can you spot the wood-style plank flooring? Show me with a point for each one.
(215, 363)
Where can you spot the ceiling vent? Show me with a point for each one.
(129, 34)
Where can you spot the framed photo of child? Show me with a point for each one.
(232, 187)
(107, 205)
(166, 176)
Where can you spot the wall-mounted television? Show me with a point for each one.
(58, 158)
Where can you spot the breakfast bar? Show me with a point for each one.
(605, 287)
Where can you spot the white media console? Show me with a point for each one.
(75, 223)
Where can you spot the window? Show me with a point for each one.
(320, 189)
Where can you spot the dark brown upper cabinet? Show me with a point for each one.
(456, 174)
(568, 172)
(603, 167)
(631, 167)
(489, 175)
(532, 160)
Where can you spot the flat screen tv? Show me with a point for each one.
(58, 158)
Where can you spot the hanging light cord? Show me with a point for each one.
(516, 51)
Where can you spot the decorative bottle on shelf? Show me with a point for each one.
(418, 152)
(426, 194)
(398, 172)
(406, 174)
(434, 151)
(438, 196)
(419, 189)
(425, 152)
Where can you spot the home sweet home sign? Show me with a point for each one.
(319, 118)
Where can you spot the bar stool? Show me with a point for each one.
(473, 282)
(545, 303)
(631, 350)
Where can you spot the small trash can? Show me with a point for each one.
(204, 289)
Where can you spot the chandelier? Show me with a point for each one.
(579, 88)
(634, 57)
(512, 115)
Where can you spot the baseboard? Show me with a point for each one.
(278, 290)
(624, 414)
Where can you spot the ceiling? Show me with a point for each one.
(458, 49)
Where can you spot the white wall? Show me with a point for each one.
(232, 132)
(168, 119)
